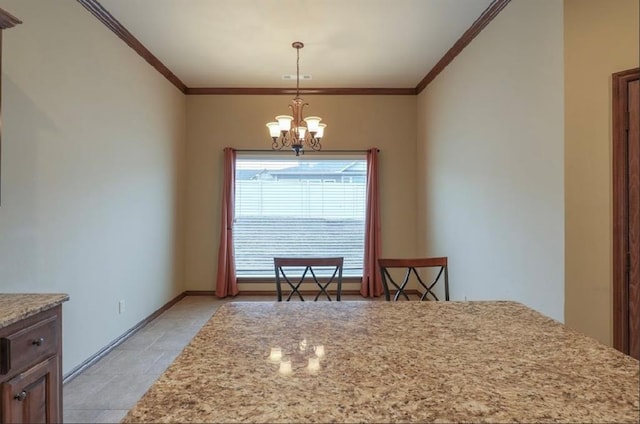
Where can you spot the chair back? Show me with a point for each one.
(322, 272)
(413, 267)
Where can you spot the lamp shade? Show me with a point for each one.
(320, 131)
(274, 129)
(312, 123)
(285, 122)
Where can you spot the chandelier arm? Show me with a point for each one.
(301, 108)
(294, 112)
(315, 145)
(285, 139)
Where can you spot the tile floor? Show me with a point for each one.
(106, 391)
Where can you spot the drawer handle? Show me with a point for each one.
(38, 342)
(20, 396)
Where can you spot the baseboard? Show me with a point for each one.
(199, 293)
(115, 343)
(312, 292)
(273, 293)
(304, 292)
(263, 292)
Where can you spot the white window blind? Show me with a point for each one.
(296, 208)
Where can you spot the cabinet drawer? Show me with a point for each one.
(29, 345)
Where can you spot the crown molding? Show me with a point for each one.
(7, 20)
(487, 16)
(117, 28)
(304, 91)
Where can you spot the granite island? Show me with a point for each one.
(391, 362)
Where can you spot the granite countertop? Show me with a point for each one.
(392, 362)
(17, 306)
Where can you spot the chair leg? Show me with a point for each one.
(446, 283)
(385, 286)
(278, 288)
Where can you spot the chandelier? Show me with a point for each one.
(296, 131)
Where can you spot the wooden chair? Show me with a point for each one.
(413, 266)
(294, 271)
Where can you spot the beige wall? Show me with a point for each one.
(490, 161)
(93, 143)
(354, 122)
(601, 38)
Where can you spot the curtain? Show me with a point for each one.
(371, 282)
(226, 282)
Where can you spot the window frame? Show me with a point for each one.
(311, 156)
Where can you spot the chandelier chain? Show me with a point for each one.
(298, 72)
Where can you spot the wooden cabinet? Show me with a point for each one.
(30, 369)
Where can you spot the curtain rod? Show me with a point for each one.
(306, 151)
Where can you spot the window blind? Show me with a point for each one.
(298, 207)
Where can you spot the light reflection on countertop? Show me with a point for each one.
(302, 352)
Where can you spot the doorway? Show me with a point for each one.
(626, 211)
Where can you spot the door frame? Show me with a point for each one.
(620, 121)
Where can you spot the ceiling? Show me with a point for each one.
(247, 43)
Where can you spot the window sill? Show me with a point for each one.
(271, 280)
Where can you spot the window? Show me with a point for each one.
(299, 207)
